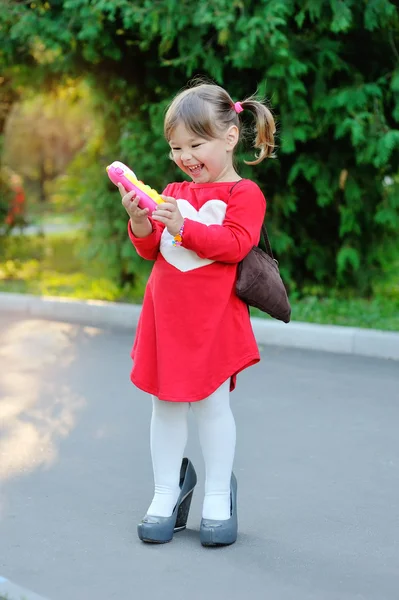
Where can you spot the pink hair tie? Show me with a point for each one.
(238, 107)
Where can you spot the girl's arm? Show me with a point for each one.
(148, 247)
(240, 231)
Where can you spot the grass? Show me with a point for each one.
(54, 266)
(376, 313)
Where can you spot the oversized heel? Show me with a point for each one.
(160, 530)
(182, 513)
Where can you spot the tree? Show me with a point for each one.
(329, 67)
(44, 133)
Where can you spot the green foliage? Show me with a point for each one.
(330, 69)
(88, 189)
(57, 265)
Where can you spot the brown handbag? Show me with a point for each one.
(259, 283)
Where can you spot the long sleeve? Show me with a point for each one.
(240, 231)
(147, 247)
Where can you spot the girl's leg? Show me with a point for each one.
(217, 433)
(168, 441)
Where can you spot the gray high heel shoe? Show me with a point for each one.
(159, 530)
(222, 533)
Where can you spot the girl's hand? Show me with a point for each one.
(169, 214)
(131, 203)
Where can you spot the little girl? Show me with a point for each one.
(194, 334)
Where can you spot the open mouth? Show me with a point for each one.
(195, 170)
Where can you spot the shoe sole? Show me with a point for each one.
(217, 544)
(150, 541)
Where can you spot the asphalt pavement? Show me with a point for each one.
(317, 466)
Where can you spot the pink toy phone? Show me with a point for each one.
(120, 173)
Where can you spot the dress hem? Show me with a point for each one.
(249, 361)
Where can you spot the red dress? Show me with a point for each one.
(194, 332)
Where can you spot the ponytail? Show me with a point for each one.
(265, 129)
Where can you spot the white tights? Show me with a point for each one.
(217, 433)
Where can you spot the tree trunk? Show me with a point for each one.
(41, 181)
(7, 98)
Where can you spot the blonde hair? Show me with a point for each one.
(207, 110)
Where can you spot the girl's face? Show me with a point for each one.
(205, 161)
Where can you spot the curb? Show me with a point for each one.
(309, 336)
(11, 591)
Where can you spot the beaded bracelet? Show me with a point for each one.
(177, 240)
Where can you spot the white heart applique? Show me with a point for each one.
(212, 212)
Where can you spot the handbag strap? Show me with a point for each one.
(263, 231)
(267, 241)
